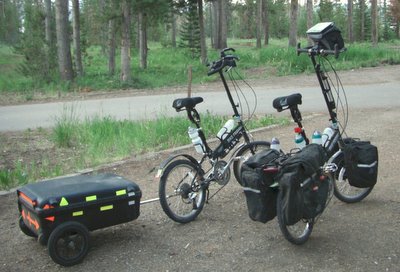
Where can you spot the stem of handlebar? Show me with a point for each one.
(225, 50)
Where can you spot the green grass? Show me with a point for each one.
(169, 66)
(99, 140)
(102, 138)
(23, 173)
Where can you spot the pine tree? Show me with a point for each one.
(190, 31)
(39, 56)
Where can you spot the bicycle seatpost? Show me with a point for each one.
(296, 115)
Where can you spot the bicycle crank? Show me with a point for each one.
(222, 174)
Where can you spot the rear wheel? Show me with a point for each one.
(297, 233)
(342, 188)
(245, 153)
(180, 194)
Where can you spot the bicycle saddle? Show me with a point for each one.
(286, 102)
(188, 103)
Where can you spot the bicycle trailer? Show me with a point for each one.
(61, 210)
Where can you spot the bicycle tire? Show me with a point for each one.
(175, 190)
(342, 188)
(245, 152)
(298, 233)
(68, 243)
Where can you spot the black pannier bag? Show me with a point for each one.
(361, 163)
(260, 197)
(326, 35)
(304, 192)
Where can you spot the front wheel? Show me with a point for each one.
(181, 196)
(245, 153)
(342, 188)
(297, 233)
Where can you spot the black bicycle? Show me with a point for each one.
(184, 181)
(335, 141)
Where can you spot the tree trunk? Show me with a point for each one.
(126, 41)
(362, 18)
(142, 40)
(47, 22)
(48, 37)
(103, 27)
(350, 20)
(398, 29)
(212, 19)
(63, 45)
(266, 22)
(216, 23)
(223, 25)
(374, 24)
(203, 46)
(309, 18)
(259, 23)
(293, 23)
(111, 46)
(77, 37)
(173, 34)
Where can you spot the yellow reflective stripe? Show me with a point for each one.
(120, 192)
(106, 208)
(78, 213)
(91, 198)
(63, 202)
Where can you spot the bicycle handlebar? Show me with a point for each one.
(224, 61)
(316, 50)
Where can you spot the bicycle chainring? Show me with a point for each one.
(222, 175)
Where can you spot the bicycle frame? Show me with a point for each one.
(330, 103)
(231, 139)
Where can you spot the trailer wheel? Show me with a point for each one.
(24, 228)
(42, 239)
(68, 243)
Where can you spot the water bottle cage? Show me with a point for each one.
(232, 138)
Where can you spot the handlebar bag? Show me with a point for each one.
(361, 163)
(260, 197)
(302, 194)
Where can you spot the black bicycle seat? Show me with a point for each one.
(188, 103)
(286, 102)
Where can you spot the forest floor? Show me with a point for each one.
(357, 237)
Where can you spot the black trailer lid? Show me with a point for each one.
(85, 188)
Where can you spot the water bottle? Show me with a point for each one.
(196, 140)
(316, 137)
(299, 139)
(275, 144)
(224, 131)
(326, 136)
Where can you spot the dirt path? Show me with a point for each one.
(358, 237)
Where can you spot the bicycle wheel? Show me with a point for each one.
(245, 152)
(298, 233)
(180, 196)
(342, 188)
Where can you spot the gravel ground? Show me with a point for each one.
(348, 237)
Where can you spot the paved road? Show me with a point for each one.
(21, 117)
